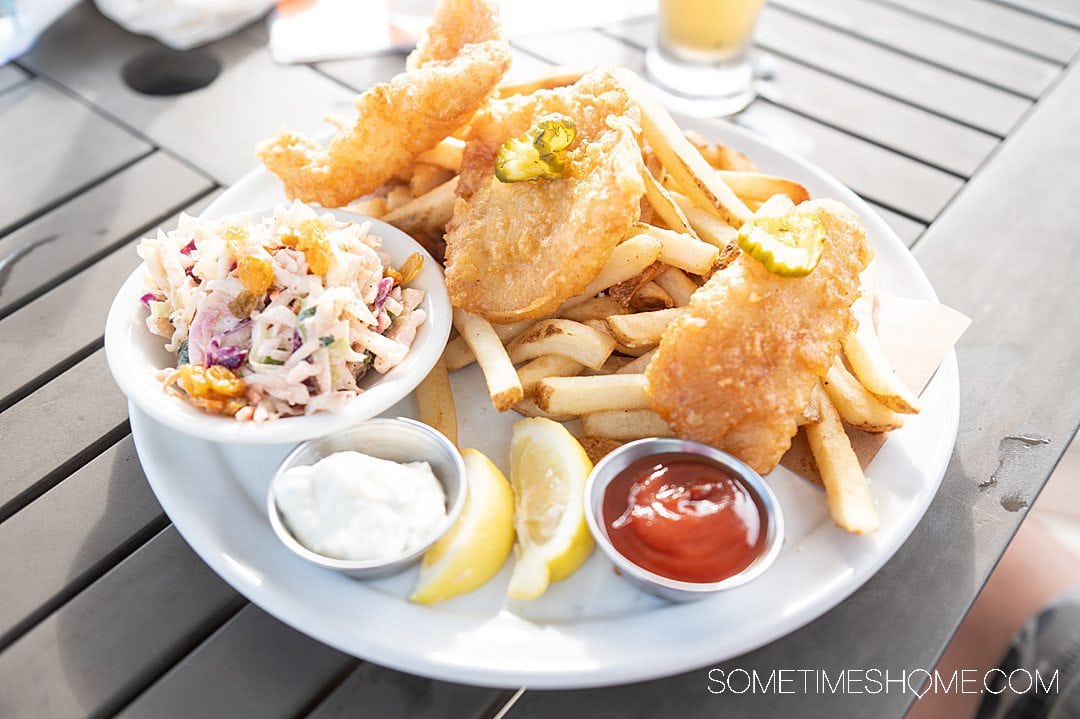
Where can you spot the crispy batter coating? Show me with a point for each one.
(738, 370)
(518, 250)
(589, 102)
(456, 23)
(455, 73)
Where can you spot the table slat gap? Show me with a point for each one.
(958, 14)
(1053, 10)
(933, 43)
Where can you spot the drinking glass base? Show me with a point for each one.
(716, 89)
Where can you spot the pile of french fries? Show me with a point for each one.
(587, 361)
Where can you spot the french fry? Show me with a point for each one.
(628, 259)
(426, 177)
(546, 79)
(426, 213)
(846, 489)
(567, 338)
(867, 357)
(809, 414)
(527, 408)
(602, 326)
(457, 354)
(677, 285)
(435, 400)
(611, 365)
(624, 291)
(643, 329)
(665, 206)
(544, 367)
(447, 154)
(708, 227)
(625, 424)
(499, 373)
(585, 395)
(683, 251)
(856, 405)
(680, 158)
(758, 187)
(638, 365)
(510, 332)
(398, 197)
(650, 298)
(597, 308)
(369, 206)
(720, 156)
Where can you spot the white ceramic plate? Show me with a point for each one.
(135, 355)
(593, 628)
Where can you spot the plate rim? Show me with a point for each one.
(440, 667)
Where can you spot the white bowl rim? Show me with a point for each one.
(128, 362)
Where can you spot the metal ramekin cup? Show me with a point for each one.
(673, 589)
(396, 439)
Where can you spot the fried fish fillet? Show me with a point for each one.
(738, 370)
(518, 250)
(458, 65)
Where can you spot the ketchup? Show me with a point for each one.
(683, 517)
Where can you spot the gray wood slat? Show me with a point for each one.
(933, 42)
(374, 691)
(872, 171)
(1017, 362)
(10, 76)
(908, 230)
(857, 110)
(880, 69)
(1003, 24)
(910, 130)
(69, 317)
(580, 46)
(215, 128)
(1066, 11)
(363, 72)
(257, 667)
(72, 147)
(71, 534)
(102, 647)
(891, 73)
(44, 433)
(91, 223)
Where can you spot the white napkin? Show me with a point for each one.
(183, 24)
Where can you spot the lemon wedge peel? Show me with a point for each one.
(548, 473)
(477, 546)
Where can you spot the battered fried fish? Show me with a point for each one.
(738, 370)
(518, 250)
(456, 68)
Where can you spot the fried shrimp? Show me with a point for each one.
(458, 65)
(518, 250)
(738, 370)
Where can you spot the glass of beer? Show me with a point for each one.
(702, 56)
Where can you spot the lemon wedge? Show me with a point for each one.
(548, 469)
(476, 547)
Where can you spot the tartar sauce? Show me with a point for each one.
(352, 506)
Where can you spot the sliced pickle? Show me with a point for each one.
(788, 245)
(539, 153)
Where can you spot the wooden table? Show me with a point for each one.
(957, 120)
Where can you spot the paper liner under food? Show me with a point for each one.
(917, 336)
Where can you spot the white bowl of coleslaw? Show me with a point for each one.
(276, 326)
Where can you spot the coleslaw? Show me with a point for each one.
(277, 316)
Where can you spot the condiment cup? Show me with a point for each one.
(396, 439)
(673, 589)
